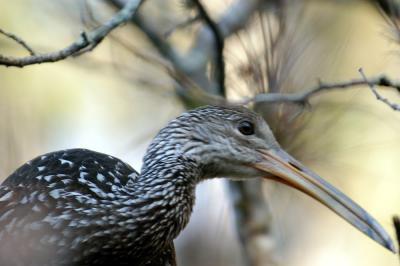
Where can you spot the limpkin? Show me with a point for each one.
(80, 207)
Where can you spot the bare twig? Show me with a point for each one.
(86, 41)
(379, 97)
(18, 40)
(232, 20)
(303, 96)
(219, 47)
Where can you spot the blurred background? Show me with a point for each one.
(114, 100)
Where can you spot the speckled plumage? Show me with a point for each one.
(80, 207)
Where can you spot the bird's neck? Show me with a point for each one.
(164, 194)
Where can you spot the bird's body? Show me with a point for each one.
(79, 207)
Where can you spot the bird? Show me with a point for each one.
(80, 207)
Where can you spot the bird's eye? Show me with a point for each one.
(246, 128)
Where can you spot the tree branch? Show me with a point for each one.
(194, 63)
(19, 41)
(379, 97)
(233, 19)
(303, 97)
(86, 41)
(219, 47)
(254, 223)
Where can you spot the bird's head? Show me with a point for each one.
(236, 142)
(226, 142)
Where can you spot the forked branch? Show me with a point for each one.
(86, 42)
(18, 40)
(303, 97)
(378, 96)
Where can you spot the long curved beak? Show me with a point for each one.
(280, 166)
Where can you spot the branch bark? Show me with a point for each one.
(379, 97)
(18, 40)
(303, 97)
(86, 41)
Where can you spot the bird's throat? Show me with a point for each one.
(164, 196)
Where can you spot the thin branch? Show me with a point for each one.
(86, 41)
(304, 96)
(234, 18)
(379, 97)
(19, 41)
(219, 47)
